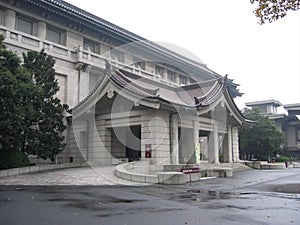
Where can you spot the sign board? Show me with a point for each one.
(148, 151)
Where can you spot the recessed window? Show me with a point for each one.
(1, 16)
(117, 55)
(159, 70)
(83, 139)
(171, 76)
(25, 25)
(89, 45)
(183, 80)
(54, 35)
(138, 64)
(298, 133)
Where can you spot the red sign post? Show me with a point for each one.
(148, 152)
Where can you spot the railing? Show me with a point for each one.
(77, 55)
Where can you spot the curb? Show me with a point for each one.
(39, 168)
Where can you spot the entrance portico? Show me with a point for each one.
(137, 119)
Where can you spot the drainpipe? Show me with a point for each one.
(78, 86)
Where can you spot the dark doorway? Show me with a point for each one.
(133, 143)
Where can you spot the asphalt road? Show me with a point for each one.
(250, 197)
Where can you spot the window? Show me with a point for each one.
(89, 45)
(298, 133)
(117, 55)
(54, 35)
(83, 139)
(261, 108)
(138, 64)
(159, 70)
(182, 80)
(1, 16)
(25, 25)
(171, 76)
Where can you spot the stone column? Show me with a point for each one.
(216, 144)
(10, 19)
(235, 144)
(176, 78)
(196, 138)
(41, 29)
(155, 133)
(213, 151)
(101, 145)
(175, 144)
(229, 150)
(165, 74)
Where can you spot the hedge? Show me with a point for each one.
(13, 159)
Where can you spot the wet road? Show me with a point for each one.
(250, 197)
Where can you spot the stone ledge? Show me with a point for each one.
(171, 178)
(39, 168)
(264, 165)
(126, 171)
(273, 166)
(296, 165)
(123, 171)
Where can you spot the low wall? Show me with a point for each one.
(168, 174)
(264, 165)
(126, 171)
(39, 168)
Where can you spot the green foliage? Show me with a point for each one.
(282, 159)
(45, 138)
(262, 139)
(271, 10)
(13, 159)
(16, 89)
(31, 118)
(263, 158)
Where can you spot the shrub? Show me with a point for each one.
(13, 159)
(263, 158)
(282, 159)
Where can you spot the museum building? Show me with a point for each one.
(130, 99)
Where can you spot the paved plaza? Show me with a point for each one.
(95, 175)
(260, 197)
(89, 175)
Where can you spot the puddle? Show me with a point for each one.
(292, 188)
(98, 203)
(220, 206)
(200, 195)
(216, 194)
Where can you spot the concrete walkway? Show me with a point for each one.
(95, 175)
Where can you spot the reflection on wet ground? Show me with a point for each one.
(287, 188)
(253, 197)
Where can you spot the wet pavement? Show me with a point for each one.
(250, 197)
(95, 175)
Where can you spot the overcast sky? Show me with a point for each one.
(263, 59)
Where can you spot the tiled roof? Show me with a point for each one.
(195, 95)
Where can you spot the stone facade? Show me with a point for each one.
(288, 124)
(81, 44)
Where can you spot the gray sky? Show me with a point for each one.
(264, 60)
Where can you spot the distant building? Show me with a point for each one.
(130, 98)
(288, 124)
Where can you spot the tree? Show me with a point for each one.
(261, 140)
(16, 89)
(31, 115)
(271, 10)
(45, 139)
